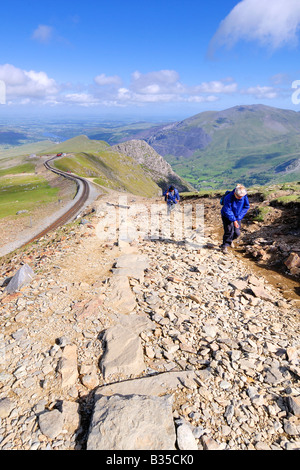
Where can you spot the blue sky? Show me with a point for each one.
(159, 58)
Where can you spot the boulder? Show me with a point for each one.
(293, 261)
(185, 437)
(294, 405)
(131, 265)
(51, 423)
(22, 277)
(6, 406)
(120, 299)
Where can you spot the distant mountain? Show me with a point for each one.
(251, 144)
(160, 171)
(258, 144)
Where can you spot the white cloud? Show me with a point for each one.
(159, 87)
(201, 99)
(261, 92)
(273, 23)
(281, 78)
(154, 83)
(104, 80)
(24, 85)
(128, 96)
(42, 33)
(81, 99)
(216, 86)
(163, 86)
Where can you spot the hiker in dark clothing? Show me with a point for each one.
(172, 198)
(236, 206)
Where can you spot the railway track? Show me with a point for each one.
(73, 211)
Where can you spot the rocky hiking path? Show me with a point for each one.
(147, 343)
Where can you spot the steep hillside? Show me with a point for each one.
(256, 144)
(159, 170)
(108, 168)
(131, 166)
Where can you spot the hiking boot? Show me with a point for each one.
(224, 249)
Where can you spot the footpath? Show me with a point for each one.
(158, 342)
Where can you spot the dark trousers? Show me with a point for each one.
(230, 231)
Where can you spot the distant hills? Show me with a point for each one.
(252, 144)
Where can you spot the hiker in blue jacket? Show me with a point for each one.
(172, 198)
(236, 206)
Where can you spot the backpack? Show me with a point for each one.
(223, 197)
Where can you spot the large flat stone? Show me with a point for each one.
(51, 423)
(135, 323)
(120, 298)
(123, 353)
(153, 385)
(261, 293)
(131, 265)
(132, 422)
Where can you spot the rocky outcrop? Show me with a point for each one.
(160, 170)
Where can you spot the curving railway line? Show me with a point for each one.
(73, 211)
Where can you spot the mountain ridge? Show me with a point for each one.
(246, 142)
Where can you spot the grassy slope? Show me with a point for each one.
(95, 159)
(80, 143)
(25, 168)
(110, 169)
(20, 192)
